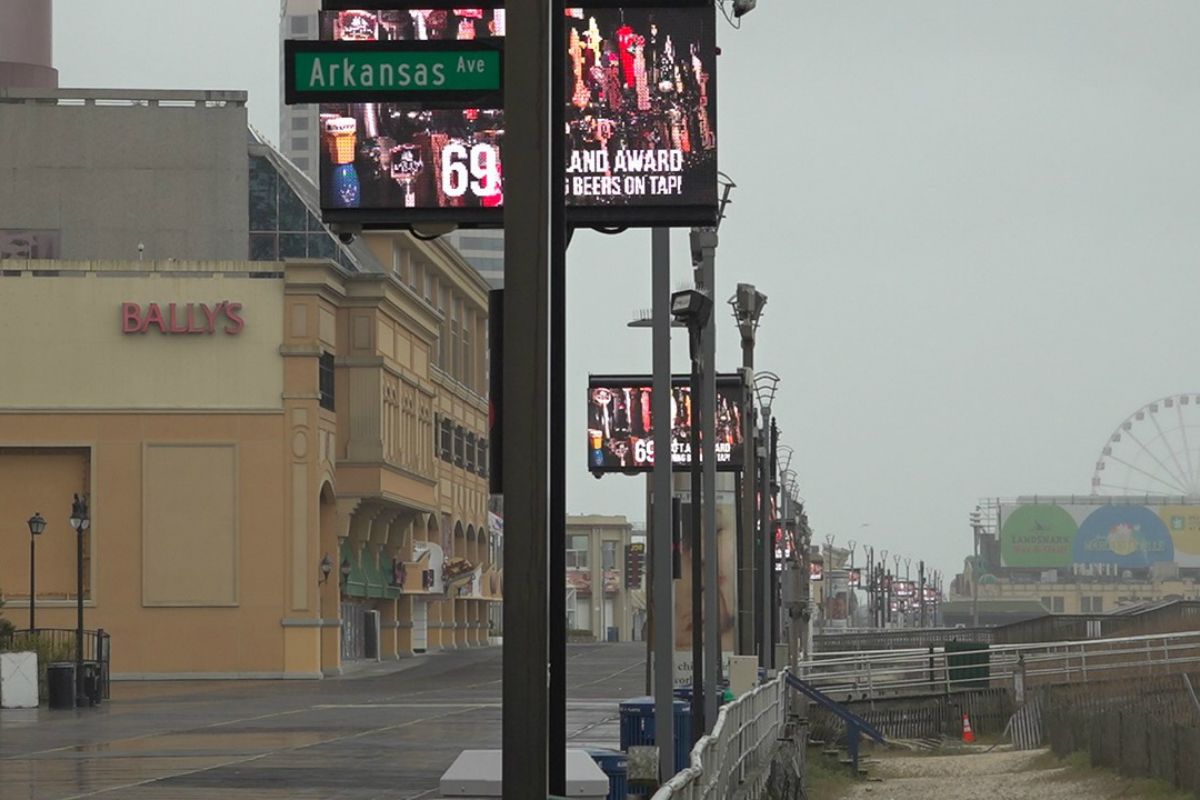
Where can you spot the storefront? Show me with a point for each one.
(260, 446)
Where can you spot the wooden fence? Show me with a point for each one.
(923, 717)
(1147, 727)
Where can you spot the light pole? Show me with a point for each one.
(766, 384)
(748, 304)
(36, 525)
(80, 522)
(976, 518)
(326, 568)
(694, 308)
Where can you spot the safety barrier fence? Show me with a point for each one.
(960, 666)
(59, 644)
(734, 760)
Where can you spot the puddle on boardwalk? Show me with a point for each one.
(214, 741)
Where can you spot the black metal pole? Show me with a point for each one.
(774, 576)
(559, 240)
(529, 175)
(32, 582)
(698, 554)
(80, 699)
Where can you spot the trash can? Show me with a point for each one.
(637, 727)
(613, 635)
(615, 765)
(91, 682)
(60, 684)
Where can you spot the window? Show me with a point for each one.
(483, 457)
(468, 365)
(577, 552)
(300, 143)
(1091, 605)
(460, 443)
(608, 551)
(447, 438)
(401, 263)
(1058, 605)
(300, 123)
(444, 329)
(301, 163)
(300, 24)
(494, 244)
(471, 452)
(29, 244)
(325, 375)
(455, 365)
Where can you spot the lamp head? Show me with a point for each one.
(326, 566)
(692, 307)
(345, 568)
(79, 514)
(37, 524)
(743, 7)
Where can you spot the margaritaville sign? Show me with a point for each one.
(183, 318)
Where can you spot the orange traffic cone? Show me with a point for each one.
(968, 734)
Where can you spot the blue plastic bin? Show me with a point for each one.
(637, 727)
(615, 765)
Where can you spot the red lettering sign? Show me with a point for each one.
(183, 319)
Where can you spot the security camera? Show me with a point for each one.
(743, 7)
(345, 233)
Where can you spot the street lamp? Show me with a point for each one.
(693, 308)
(326, 568)
(766, 385)
(80, 522)
(976, 519)
(36, 525)
(747, 304)
(345, 571)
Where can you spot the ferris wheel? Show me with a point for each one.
(1155, 451)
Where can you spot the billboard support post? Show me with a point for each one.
(704, 249)
(526, 387)
(560, 238)
(663, 596)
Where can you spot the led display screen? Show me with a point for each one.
(621, 423)
(640, 123)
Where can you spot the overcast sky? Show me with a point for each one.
(976, 223)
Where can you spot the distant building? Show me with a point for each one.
(1085, 554)
(598, 598)
(299, 139)
(283, 436)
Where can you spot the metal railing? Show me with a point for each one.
(735, 757)
(59, 644)
(938, 670)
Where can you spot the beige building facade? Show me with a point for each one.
(603, 600)
(235, 425)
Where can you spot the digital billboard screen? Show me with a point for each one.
(621, 423)
(639, 93)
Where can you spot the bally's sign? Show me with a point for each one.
(183, 318)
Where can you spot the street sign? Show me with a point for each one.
(447, 73)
